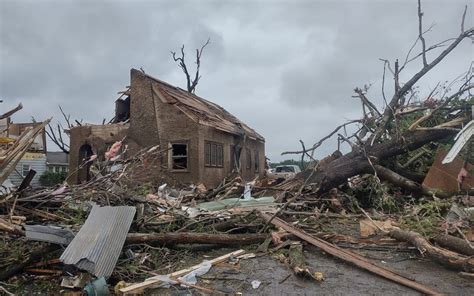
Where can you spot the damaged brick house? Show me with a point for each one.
(206, 143)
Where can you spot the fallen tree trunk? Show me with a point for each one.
(454, 243)
(195, 238)
(401, 181)
(445, 257)
(349, 256)
(355, 162)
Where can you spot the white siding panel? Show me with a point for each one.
(38, 164)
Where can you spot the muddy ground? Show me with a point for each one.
(340, 278)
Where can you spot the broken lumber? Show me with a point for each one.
(11, 228)
(137, 288)
(350, 257)
(12, 155)
(443, 256)
(35, 256)
(195, 238)
(11, 112)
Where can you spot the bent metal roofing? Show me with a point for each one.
(97, 246)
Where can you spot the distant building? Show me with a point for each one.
(33, 159)
(57, 161)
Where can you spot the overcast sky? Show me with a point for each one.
(286, 68)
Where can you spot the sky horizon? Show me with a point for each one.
(285, 68)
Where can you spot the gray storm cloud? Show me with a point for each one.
(287, 68)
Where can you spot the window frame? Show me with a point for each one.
(248, 157)
(172, 157)
(213, 154)
(23, 169)
(257, 161)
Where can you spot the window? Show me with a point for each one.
(285, 169)
(257, 162)
(56, 169)
(249, 159)
(25, 169)
(213, 154)
(235, 157)
(179, 156)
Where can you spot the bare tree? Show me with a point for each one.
(56, 134)
(191, 83)
(381, 137)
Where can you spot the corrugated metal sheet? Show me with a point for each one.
(97, 246)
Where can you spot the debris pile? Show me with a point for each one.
(112, 233)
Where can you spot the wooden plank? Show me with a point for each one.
(351, 257)
(11, 112)
(137, 288)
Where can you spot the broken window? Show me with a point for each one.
(122, 110)
(179, 156)
(213, 154)
(257, 168)
(235, 157)
(249, 159)
(85, 152)
(25, 169)
(285, 169)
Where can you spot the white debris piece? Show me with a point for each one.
(203, 268)
(256, 284)
(462, 138)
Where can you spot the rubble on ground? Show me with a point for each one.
(112, 234)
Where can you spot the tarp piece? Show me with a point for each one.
(50, 234)
(97, 246)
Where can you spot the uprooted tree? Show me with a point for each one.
(403, 126)
(191, 83)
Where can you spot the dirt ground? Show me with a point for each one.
(340, 278)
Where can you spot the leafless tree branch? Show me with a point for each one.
(420, 30)
(190, 83)
(463, 18)
(56, 136)
(316, 145)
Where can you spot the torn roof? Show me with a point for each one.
(202, 111)
(57, 157)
